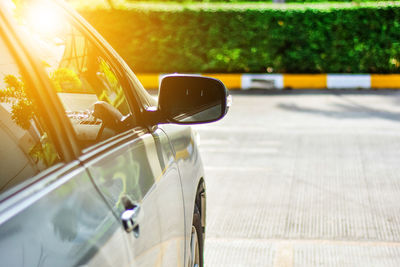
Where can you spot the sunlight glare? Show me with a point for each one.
(44, 19)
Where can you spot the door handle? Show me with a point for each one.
(131, 219)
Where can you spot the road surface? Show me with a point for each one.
(304, 178)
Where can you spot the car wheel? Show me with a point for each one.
(196, 241)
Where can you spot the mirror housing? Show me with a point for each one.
(191, 99)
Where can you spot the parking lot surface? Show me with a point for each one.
(304, 178)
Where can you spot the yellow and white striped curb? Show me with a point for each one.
(293, 81)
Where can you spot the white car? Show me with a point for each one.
(93, 171)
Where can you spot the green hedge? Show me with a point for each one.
(341, 38)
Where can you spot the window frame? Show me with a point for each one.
(116, 62)
(129, 82)
(56, 122)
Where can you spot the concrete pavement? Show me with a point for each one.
(304, 178)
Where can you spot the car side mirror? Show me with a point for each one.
(191, 99)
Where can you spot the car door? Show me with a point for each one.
(136, 169)
(129, 175)
(51, 214)
(133, 167)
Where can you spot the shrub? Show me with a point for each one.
(291, 38)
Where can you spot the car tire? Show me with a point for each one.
(196, 241)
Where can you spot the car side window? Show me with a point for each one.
(25, 147)
(93, 96)
(86, 81)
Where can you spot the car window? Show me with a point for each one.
(86, 81)
(25, 147)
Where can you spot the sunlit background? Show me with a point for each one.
(308, 37)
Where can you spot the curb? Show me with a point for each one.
(293, 81)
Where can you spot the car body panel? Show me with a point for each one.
(61, 221)
(170, 204)
(139, 167)
(189, 162)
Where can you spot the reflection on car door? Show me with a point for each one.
(61, 221)
(170, 203)
(138, 169)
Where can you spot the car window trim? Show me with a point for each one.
(31, 190)
(21, 187)
(112, 141)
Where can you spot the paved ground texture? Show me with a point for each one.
(308, 178)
